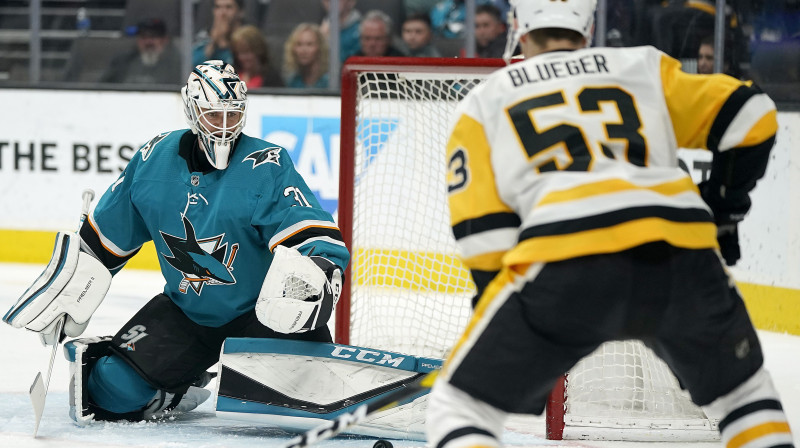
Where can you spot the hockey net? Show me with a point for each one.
(406, 289)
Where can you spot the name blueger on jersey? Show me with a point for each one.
(585, 65)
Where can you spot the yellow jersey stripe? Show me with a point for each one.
(766, 126)
(491, 261)
(690, 235)
(756, 432)
(614, 186)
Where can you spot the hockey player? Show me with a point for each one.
(579, 228)
(218, 205)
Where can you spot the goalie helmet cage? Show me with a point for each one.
(406, 289)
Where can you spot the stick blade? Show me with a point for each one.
(38, 392)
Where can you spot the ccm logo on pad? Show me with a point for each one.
(371, 356)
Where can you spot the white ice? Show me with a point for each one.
(24, 356)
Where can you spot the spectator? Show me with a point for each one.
(705, 56)
(251, 58)
(215, 44)
(305, 58)
(154, 60)
(448, 17)
(417, 35)
(490, 32)
(349, 21)
(678, 27)
(376, 35)
(503, 6)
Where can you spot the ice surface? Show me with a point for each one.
(24, 356)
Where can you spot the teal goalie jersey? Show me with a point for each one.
(214, 232)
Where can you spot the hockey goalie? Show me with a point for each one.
(245, 250)
(294, 385)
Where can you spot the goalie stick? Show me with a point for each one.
(38, 390)
(334, 427)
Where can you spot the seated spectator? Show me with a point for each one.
(448, 17)
(215, 44)
(349, 20)
(376, 35)
(705, 56)
(251, 58)
(490, 32)
(154, 60)
(417, 35)
(305, 58)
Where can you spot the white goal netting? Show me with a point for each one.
(408, 290)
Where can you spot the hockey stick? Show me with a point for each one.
(334, 427)
(38, 390)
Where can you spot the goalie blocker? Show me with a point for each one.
(73, 284)
(299, 385)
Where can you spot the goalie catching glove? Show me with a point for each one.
(299, 292)
(73, 284)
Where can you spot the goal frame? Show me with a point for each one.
(438, 68)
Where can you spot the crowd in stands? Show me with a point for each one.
(432, 28)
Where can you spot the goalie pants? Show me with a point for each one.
(531, 327)
(166, 350)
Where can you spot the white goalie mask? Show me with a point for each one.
(215, 102)
(528, 15)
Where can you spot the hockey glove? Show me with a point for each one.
(299, 292)
(73, 284)
(728, 213)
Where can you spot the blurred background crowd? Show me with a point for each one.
(301, 44)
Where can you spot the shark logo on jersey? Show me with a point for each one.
(148, 147)
(266, 155)
(202, 262)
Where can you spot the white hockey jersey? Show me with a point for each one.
(574, 153)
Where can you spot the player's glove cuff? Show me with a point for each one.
(728, 207)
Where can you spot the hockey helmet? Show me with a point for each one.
(215, 102)
(528, 15)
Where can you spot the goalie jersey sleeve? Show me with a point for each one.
(574, 153)
(213, 232)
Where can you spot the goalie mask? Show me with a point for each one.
(528, 15)
(214, 100)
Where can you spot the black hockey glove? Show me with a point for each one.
(728, 213)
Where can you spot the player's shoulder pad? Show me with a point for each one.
(159, 141)
(258, 154)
